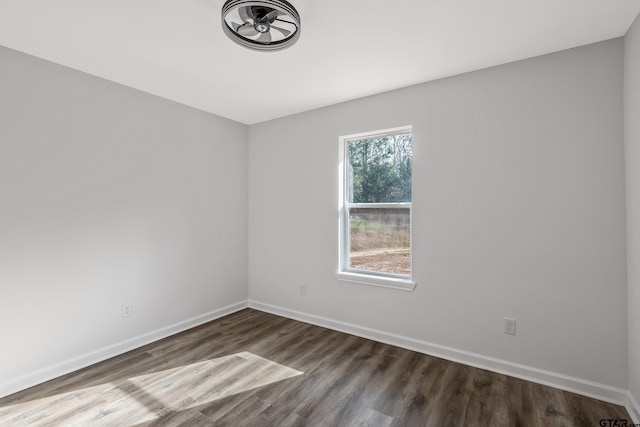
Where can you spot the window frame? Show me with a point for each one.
(367, 277)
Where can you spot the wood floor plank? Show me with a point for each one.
(372, 418)
(257, 369)
(220, 408)
(421, 393)
(547, 406)
(393, 393)
(453, 398)
(488, 405)
(186, 418)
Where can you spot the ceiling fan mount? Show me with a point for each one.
(265, 25)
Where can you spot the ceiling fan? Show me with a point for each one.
(265, 25)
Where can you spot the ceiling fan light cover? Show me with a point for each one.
(265, 25)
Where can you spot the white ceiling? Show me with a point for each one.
(348, 48)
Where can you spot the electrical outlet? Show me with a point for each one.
(303, 289)
(126, 310)
(509, 326)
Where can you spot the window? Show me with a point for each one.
(375, 208)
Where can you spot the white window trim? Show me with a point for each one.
(375, 280)
(345, 273)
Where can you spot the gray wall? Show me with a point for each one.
(632, 156)
(519, 211)
(109, 196)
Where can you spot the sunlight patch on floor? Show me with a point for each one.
(147, 397)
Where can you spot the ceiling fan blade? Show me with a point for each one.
(264, 38)
(272, 15)
(246, 30)
(286, 22)
(282, 30)
(245, 13)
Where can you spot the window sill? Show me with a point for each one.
(385, 282)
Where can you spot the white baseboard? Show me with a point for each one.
(633, 408)
(29, 380)
(529, 373)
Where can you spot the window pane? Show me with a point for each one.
(380, 169)
(380, 240)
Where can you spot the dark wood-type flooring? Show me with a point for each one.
(256, 369)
